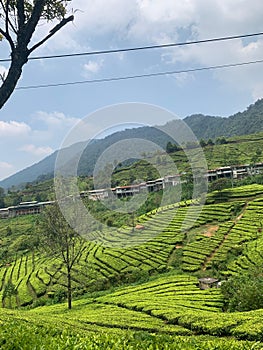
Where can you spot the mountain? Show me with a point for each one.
(41, 170)
(243, 123)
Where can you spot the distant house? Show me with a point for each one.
(23, 208)
(127, 191)
(95, 195)
(234, 171)
(208, 282)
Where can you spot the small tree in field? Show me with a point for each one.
(18, 22)
(59, 239)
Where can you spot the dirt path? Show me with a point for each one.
(210, 257)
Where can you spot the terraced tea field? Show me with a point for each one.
(183, 241)
(203, 237)
(168, 305)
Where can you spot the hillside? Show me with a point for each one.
(40, 171)
(243, 123)
(147, 293)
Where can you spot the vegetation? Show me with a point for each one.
(145, 294)
(241, 123)
(244, 292)
(60, 240)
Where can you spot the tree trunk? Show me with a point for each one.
(69, 289)
(14, 73)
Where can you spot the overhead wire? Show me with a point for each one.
(140, 48)
(138, 76)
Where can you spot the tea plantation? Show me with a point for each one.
(142, 296)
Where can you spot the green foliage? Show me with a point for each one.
(244, 292)
(224, 239)
(19, 334)
(220, 184)
(171, 147)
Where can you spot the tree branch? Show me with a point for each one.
(8, 38)
(9, 21)
(30, 26)
(52, 32)
(21, 14)
(7, 17)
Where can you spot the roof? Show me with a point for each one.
(208, 280)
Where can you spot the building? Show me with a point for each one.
(96, 194)
(23, 208)
(234, 171)
(208, 282)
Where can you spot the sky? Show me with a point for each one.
(34, 122)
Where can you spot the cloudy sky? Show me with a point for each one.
(34, 122)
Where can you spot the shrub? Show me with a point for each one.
(243, 292)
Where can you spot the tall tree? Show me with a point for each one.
(18, 22)
(59, 239)
(2, 197)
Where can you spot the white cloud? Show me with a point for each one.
(92, 67)
(37, 151)
(56, 119)
(122, 23)
(13, 128)
(5, 165)
(6, 169)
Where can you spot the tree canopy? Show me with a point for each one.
(59, 239)
(18, 22)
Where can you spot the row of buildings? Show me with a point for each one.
(131, 190)
(23, 208)
(234, 171)
(34, 207)
(231, 172)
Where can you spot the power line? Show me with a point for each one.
(140, 48)
(104, 80)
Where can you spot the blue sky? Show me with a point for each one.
(34, 123)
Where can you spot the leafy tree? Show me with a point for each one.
(8, 231)
(244, 292)
(9, 291)
(210, 142)
(255, 158)
(58, 238)
(219, 184)
(202, 143)
(171, 147)
(2, 197)
(221, 141)
(18, 22)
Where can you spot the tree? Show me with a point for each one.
(2, 197)
(255, 158)
(202, 143)
(58, 238)
(18, 22)
(221, 141)
(243, 292)
(171, 147)
(210, 142)
(219, 184)
(8, 292)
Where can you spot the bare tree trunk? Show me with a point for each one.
(13, 76)
(69, 289)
